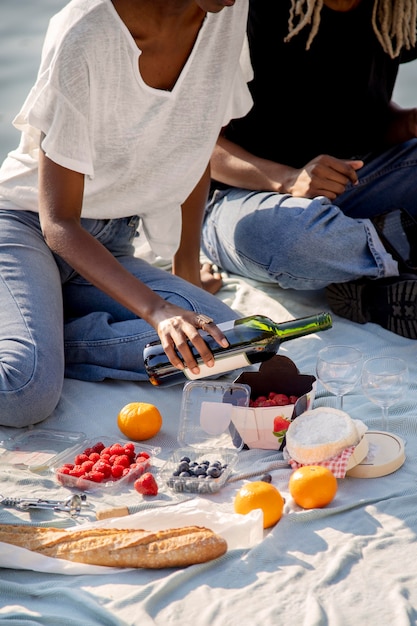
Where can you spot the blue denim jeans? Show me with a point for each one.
(300, 243)
(54, 323)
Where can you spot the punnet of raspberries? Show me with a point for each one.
(102, 464)
(273, 399)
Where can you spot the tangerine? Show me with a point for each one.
(312, 486)
(139, 420)
(260, 495)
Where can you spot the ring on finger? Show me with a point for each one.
(203, 320)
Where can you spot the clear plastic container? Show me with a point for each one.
(37, 449)
(206, 434)
(84, 484)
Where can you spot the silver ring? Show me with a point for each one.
(202, 321)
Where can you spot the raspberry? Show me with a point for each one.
(87, 465)
(98, 447)
(117, 471)
(104, 468)
(96, 477)
(77, 471)
(64, 470)
(94, 456)
(143, 454)
(122, 459)
(80, 458)
(116, 448)
(146, 485)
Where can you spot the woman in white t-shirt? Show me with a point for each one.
(117, 132)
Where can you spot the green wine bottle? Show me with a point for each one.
(251, 340)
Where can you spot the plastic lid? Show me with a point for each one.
(206, 414)
(37, 449)
(386, 454)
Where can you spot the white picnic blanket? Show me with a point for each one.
(348, 564)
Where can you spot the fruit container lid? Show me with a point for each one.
(37, 449)
(386, 454)
(206, 435)
(206, 414)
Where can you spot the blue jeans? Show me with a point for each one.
(54, 323)
(300, 243)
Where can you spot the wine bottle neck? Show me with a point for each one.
(303, 326)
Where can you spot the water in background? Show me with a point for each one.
(22, 28)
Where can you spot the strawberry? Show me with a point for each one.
(280, 424)
(146, 485)
(281, 399)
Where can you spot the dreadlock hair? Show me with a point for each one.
(393, 21)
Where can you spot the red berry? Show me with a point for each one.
(146, 485)
(293, 399)
(64, 470)
(280, 423)
(80, 458)
(143, 454)
(122, 459)
(77, 471)
(117, 471)
(116, 448)
(87, 465)
(94, 456)
(281, 399)
(96, 477)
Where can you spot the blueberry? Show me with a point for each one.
(183, 466)
(266, 478)
(214, 471)
(185, 458)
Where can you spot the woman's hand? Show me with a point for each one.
(211, 280)
(175, 331)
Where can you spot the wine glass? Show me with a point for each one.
(384, 380)
(338, 369)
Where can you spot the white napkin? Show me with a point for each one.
(240, 532)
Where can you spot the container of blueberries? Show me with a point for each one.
(208, 441)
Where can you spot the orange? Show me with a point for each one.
(312, 486)
(260, 495)
(139, 421)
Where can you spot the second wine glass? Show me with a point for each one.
(384, 381)
(338, 369)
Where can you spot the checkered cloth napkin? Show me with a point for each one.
(336, 464)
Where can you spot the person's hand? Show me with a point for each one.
(323, 176)
(403, 125)
(211, 280)
(177, 327)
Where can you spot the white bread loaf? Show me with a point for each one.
(177, 547)
(319, 434)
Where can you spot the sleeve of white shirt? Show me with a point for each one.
(240, 101)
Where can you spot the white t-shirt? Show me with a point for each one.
(142, 150)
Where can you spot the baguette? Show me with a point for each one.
(177, 547)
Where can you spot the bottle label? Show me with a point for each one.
(221, 364)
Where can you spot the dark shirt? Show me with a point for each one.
(332, 99)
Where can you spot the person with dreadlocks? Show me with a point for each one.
(298, 182)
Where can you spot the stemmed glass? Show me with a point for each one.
(384, 380)
(338, 369)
